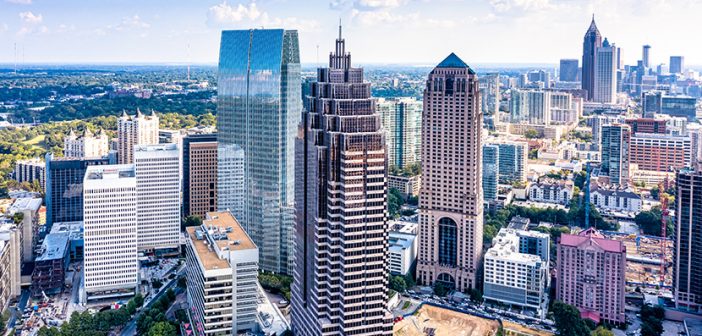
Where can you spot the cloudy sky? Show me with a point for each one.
(377, 31)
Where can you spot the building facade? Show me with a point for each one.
(30, 171)
(200, 174)
(551, 191)
(408, 185)
(568, 70)
(402, 251)
(659, 152)
(491, 171)
(158, 175)
(230, 180)
(615, 153)
(340, 282)
(222, 269)
(110, 256)
(677, 64)
(591, 275)
(88, 145)
(137, 130)
(451, 196)
(64, 187)
(606, 73)
(616, 199)
(402, 122)
(591, 42)
(10, 264)
(258, 109)
(687, 254)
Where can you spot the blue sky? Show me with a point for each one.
(377, 31)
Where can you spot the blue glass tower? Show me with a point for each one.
(259, 106)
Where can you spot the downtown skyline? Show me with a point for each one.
(509, 31)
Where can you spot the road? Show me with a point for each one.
(21, 305)
(130, 328)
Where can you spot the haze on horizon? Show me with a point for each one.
(422, 32)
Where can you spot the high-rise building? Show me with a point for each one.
(64, 187)
(512, 161)
(222, 269)
(491, 171)
(158, 171)
(591, 275)
(600, 121)
(490, 93)
(230, 180)
(530, 106)
(341, 266)
(137, 130)
(110, 260)
(615, 153)
(258, 109)
(591, 42)
(679, 106)
(687, 253)
(29, 226)
(200, 174)
(660, 152)
(677, 64)
(451, 196)
(568, 70)
(10, 264)
(646, 56)
(30, 171)
(88, 145)
(402, 122)
(605, 74)
(646, 125)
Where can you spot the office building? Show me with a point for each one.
(402, 122)
(606, 74)
(64, 187)
(687, 273)
(491, 171)
(591, 42)
(158, 197)
(341, 208)
(679, 106)
(451, 197)
(490, 93)
(646, 56)
(29, 226)
(137, 130)
(199, 174)
(660, 152)
(513, 276)
(110, 265)
(402, 251)
(10, 264)
(222, 270)
(651, 103)
(230, 181)
(568, 70)
(30, 171)
(407, 185)
(677, 64)
(88, 145)
(591, 275)
(49, 273)
(646, 125)
(258, 110)
(615, 153)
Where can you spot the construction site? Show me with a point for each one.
(649, 260)
(435, 321)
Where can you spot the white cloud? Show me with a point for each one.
(31, 18)
(375, 4)
(4, 27)
(20, 2)
(502, 6)
(372, 18)
(224, 15)
(132, 22)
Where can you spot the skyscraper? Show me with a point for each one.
(341, 266)
(137, 130)
(615, 153)
(568, 70)
(451, 196)
(646, 56)
(258, 109)
(491, 171)
(200, 174)
(230, 180)
(402, 122)
(111, 266)
(687, 256)
(88, 145)
(677, 64)
(531, 106)
(591, 42)
(606, 74)
(158, 197)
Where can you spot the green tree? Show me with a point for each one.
(602, 331)
(440, 289)
(650, 222)
(476, 295)
(131, 307)
(395, 201)
(532, 134)
(652, 320)
(190, 221)
(397, 283)
(139, 300)
(568, 321)
(162, 329)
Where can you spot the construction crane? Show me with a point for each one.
(664, 224)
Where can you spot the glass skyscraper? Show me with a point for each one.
(259, 106)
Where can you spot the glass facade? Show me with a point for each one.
(259, 106)
(448, 237)
(64, 187)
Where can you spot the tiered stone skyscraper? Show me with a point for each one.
(591, 42)
(451, 196)
(340, 282)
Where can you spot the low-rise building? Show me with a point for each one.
(51, 264)
(514, 277)
(402, 250)
(222, 270)
(29, 226)
(408, 185)
(29, 171)
(615, 199)
(551, 191)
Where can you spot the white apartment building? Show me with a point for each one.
(110, 232)
(222, 271)
(137, 130)
(230, 180)
(158, 176)
(615, 199)
(402, 250)
(513, 277)
(88, 145)
(29, 227)
(551, 191)
(10, 264)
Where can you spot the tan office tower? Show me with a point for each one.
(451, 195)
(341, 268)
(137, 130)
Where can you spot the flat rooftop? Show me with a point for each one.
(109, 172)
(21, 204)
(222, 229)
(54, 246)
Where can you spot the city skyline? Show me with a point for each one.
(188, 32)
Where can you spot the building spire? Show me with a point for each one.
(339, 28)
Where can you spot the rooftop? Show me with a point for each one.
(592, 237)
(506, 246)
(400, 240)
(22, 204)
(222, 229)
(453, 61)
(109, 172)
(54, 246)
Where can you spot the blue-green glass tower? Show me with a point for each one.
(258, 110)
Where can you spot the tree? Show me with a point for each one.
(532, 134)
(476, 295)
(409, 280)
(131, 307)
(190, 221)
(138, 300)
(602, 331)
(397, 283)
(652, 320)
(440, 289)
(650, 222)
(287, 332)
(156, 283)
(182, 283)
(395, 201)
(568, 321)
(162, 329)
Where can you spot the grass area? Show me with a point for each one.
(406, 305)
(37, 141)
